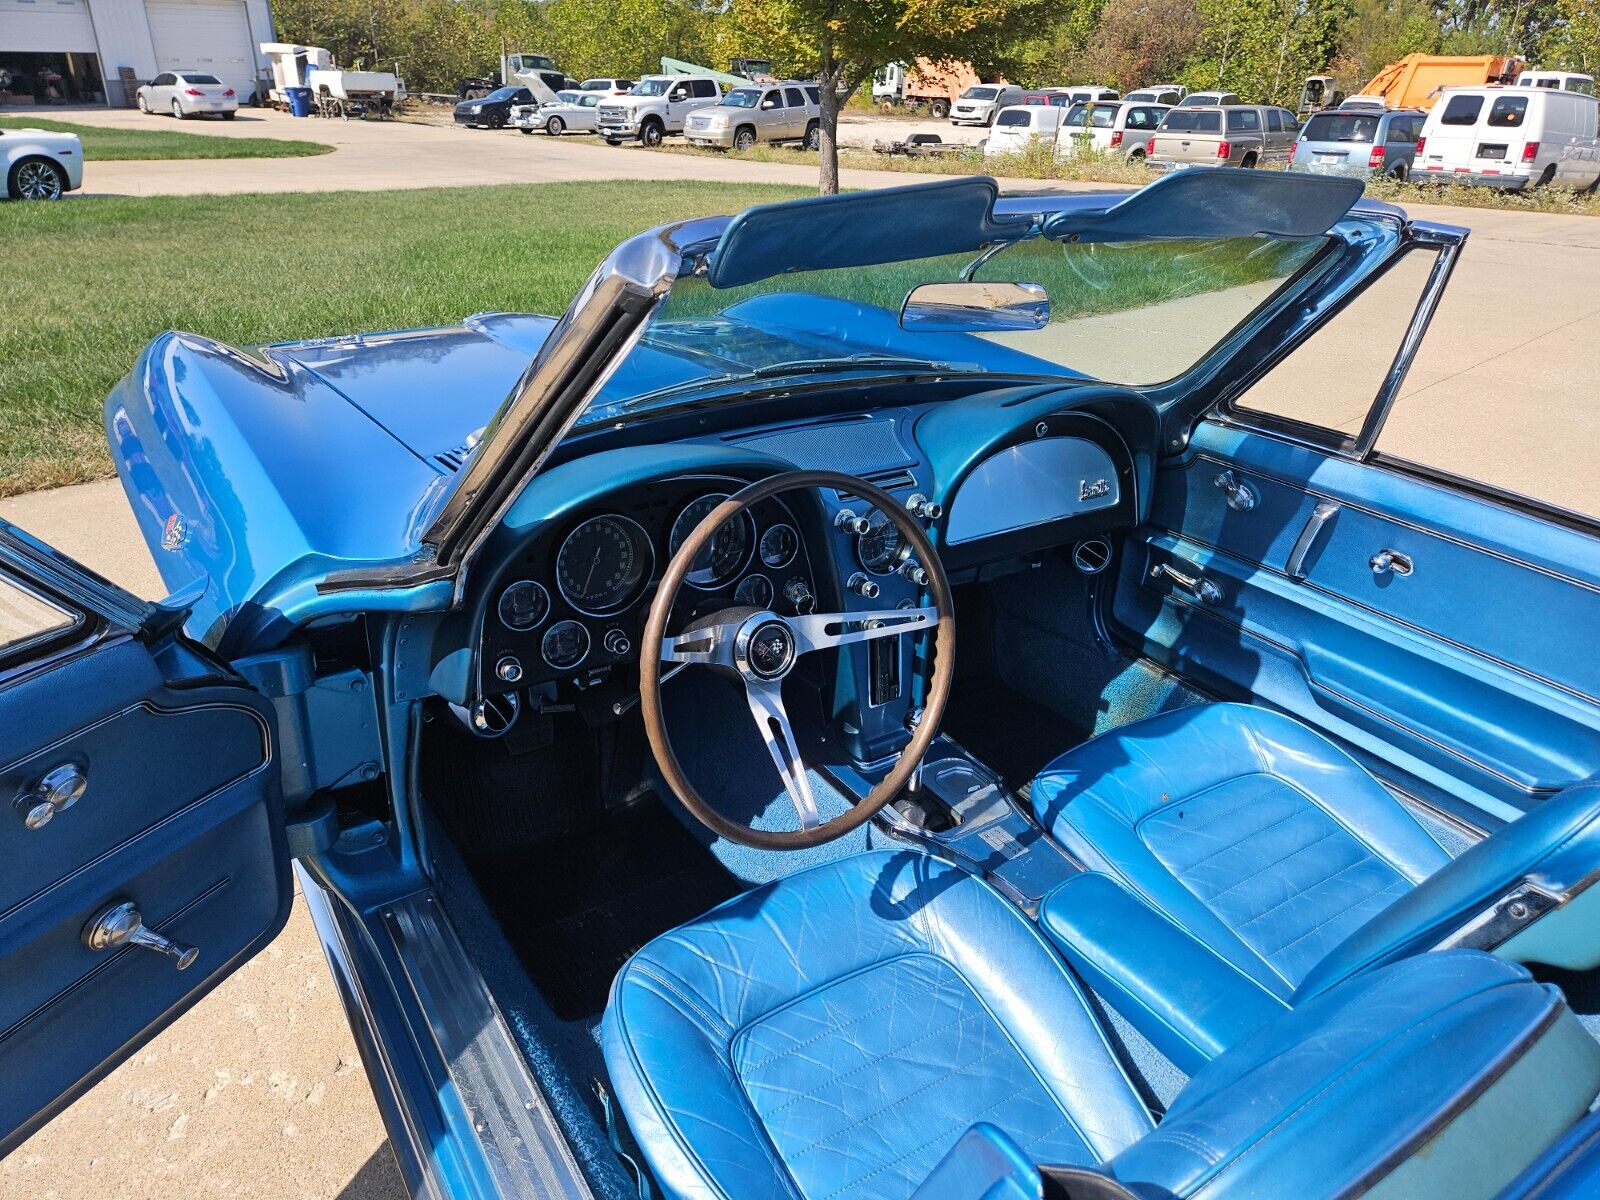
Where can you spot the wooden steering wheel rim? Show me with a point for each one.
(655, 632)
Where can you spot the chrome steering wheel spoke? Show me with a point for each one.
(823, 631)
(766, 706)
(710, 645)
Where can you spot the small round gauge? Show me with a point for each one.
(524, 605)
(779, 545)
(880, 545)
(754, 590)
(565, 645)
(725, 554)
(604, 564)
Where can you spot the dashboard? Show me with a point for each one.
(996, 479)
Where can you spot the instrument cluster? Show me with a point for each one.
(576, 600)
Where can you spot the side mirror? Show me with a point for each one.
(975, 307)
(679, 94)
(769, 103)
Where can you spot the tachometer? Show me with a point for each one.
(756, 591)
(880, 545)
(779, 545)
(524, 605)
(604, 564)
(725, 554)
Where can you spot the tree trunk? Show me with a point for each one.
(828, 133)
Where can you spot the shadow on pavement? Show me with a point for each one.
(378, 1179)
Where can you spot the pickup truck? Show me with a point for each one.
(1233, 135)
(657, 106)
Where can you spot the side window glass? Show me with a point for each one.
(1274, 121)
(704, 87)
(1330, 381)
(1508, 112)
(27, 617)
(793, 98)
(1242, 120)
(814, 94)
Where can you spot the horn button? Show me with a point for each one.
(766, 648)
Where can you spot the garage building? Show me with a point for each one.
(80, 51)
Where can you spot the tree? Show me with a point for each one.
(1263, 49)
(1141, 41)
(1575, 44)
(840, 43)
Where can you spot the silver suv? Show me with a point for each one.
(790, 111)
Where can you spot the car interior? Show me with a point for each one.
(927, 786)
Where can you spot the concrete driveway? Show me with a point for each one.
(258, 1092)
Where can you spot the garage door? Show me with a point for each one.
(46, 26)
(204, 35)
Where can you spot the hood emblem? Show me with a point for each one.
(174, 533)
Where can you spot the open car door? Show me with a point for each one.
(142, 852)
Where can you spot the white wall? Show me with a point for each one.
(123, 32)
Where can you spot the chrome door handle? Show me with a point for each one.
(1385, 561)
(121, 924)
(1196, 585)
(58, 789)
(1324, 512)
(1241, 496)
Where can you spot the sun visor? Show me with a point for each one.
(954, 216)
(1216, 202)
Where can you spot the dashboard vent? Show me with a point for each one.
(1092, 555)
(889, 481)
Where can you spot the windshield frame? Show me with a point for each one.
(651, 87)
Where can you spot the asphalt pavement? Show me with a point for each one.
(258, 1092)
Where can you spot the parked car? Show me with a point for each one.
(1359, 142)
(1561, 81)
(502, 688)
(1120, 127)
(980, 102)
(1208, 99)
(1159, 93)
(1236, 135)
(1022, 125)
(656, 106)
(40, 165)
(494, 110)
(609, 87)
(572, 112)
(186, 94)
(1512, 138)
(789, 111)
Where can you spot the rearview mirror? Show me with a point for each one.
(974, 307)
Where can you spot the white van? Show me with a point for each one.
(1511, 138)
(1019, 125)
(1561, 81)
(980, 102)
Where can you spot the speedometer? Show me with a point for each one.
(881, 544)
(604, 564)
(725, 554)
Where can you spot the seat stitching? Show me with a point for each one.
(1214, 817)
(649, 972)
(1310, 887)
(877, 1058)
(1194, 866)
(1331, 917)
(1273, 866)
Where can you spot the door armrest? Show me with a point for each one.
(1190, 1002)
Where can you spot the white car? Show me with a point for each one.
(607, 87)
(1020, 125)
(979, 104)
(1511, 138)
(572, 112)
(1121, 128)
(39, 165)
(187, 94)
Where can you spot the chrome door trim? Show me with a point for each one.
(480, 1128)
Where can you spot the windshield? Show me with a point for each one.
(1340, 127)
(505, 93)
(743, 98)
(980, 93)
(651, 87)
(1097, 116)
(1137, 313)
(569, 97)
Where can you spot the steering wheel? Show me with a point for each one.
(758, 647)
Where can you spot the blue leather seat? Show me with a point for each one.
(835, 1034)
(1253, 833)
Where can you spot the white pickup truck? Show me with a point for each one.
(657, 106)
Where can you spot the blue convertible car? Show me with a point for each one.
(900, 699)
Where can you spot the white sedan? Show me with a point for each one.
(40, 166)
(572, 112)
(187, 94)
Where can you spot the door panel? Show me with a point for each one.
(1469, 672)
(180, 813)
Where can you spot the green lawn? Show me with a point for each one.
(110, 145)
(91, 281)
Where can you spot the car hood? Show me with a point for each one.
(265, 472)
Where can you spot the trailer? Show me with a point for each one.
(335, 92)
